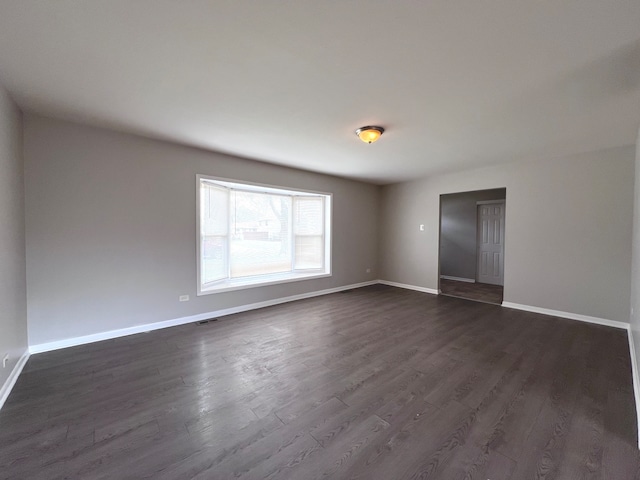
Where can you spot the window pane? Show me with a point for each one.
(214, 208)
(214, 264)
(309, 215)
(309, 251)
(214, 214)
(260, 234)
(309, 229)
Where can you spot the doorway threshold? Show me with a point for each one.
(470, 299)
(481, 292)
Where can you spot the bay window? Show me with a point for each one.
(251, 235)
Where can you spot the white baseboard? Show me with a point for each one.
(5, 390)
(97, 337)
(458, 279)
(636, 378)
(432, 291)
(572, 316)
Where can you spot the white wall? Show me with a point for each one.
(111, 238)
(568, 231)
(13, 308)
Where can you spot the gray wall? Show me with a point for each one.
(458, 237)
(635, 277)
(13, 308)
(568, 230)
(111, 239)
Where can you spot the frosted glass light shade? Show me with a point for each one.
(369, 134)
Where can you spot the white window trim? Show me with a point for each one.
(270, 279)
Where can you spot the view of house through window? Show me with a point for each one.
(251, 235)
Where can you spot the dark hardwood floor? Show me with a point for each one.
(373, 383)
(482, 292)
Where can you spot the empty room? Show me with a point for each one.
(297, 240)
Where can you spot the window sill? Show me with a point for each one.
(243, 283)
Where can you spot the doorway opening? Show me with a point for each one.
(471, 257)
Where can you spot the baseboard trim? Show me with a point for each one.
(13, 377)
(432, 291)
(458, 279)
(635, 375)
(572, 316)
(123, 332)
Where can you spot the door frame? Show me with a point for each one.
(439, 245)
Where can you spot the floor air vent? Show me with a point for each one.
(209, 320)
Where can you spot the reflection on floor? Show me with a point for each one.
(482, 292)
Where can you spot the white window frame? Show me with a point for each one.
(231, 284)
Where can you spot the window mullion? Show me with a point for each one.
(322, 235)
(292, 234)
(229, 225)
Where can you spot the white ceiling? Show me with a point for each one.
(456, 84)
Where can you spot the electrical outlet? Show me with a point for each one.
(184, 298)
(5, 360)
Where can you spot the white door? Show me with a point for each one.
(491, 243)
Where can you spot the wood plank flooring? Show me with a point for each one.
(373, 383)
(482, 292)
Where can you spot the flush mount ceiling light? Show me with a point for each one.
(369, 134)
